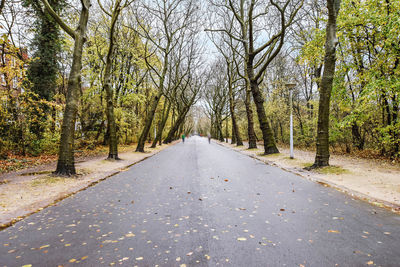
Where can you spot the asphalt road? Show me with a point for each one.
(200, 204)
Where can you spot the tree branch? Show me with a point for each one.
(62, 24)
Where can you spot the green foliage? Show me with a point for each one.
(47, 42)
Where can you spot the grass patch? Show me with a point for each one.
(47, 180)
(35, 173)
(327, 170)
(332, 170)
(269, 155)
(307, 165)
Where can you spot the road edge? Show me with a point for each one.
(309, 175)
(51, 201)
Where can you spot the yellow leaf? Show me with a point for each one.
(242, 239)
(84, 257)
(27, 265)
(72, 260)
(370, 262)
(333, 231)
(45, 246)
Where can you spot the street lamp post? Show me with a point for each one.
(290, 87)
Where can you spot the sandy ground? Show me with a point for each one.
(373, 180)
(30, 190)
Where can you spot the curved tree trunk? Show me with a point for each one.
(161, 128)
(149, 120)
(322, 155)
(268, 135)
(178, 123)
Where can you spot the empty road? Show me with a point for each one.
(200, 204)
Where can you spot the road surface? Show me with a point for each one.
(200, 204)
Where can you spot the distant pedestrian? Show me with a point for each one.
(183, 138)
(209, 138)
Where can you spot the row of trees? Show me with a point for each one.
(138, 66)
(344, 64)
(134, 71)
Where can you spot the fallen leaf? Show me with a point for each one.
(72, 260)
(242, 239)
(139, 258)
(84, 257)
(333, 231)
(370, 262)
(226, 180)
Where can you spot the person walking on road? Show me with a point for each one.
(183, 138)
(209, 138)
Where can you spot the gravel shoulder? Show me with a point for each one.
(375, 181)
(25, 192)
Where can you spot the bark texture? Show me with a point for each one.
(162, 126)
(250, 122)
(322, 155)
(112, 134)
(66, 162)
(148, 122)
(236, 133)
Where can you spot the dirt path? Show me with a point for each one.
(24, 192)
(375, 181)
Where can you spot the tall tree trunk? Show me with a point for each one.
(113, 139)
(268, 135)
(235, 128)
(358, 140)
(233, 141)
(66, 163)
(149, 120)
(162, 125)
(250, 123)
(322, 155)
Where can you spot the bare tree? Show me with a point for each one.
(162, 25)
(216, 98)
(228, 49)
(251, 18)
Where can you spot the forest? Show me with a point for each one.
(75, 75)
